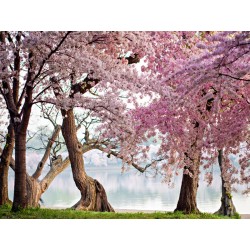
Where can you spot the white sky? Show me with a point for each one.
(125, 15)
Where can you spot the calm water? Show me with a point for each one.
(131, 190)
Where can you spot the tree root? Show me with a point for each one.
(96, 198)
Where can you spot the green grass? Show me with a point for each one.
(42, 213)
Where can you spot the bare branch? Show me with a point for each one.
(47, 114)
(136, 166)
(30, 137)
(47, 153)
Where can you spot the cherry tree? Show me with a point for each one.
(107, 80)
(61, 68)
(166, 116)
(8, 139)
(204, 103)
(19, 71)
(224, 65)
(171, 51)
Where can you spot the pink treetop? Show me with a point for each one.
(89, 70)
(210, 88)
(82, 62)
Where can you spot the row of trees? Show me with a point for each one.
(203, 115)
(195, 84)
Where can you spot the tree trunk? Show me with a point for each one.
(189, 186)
(34, 192)
(227, 207)
(4, 166)
(190, 182)
(93, 195)
(20, 191)
(36, 188)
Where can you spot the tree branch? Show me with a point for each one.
(47, 153)
(41, 93)
(235, 78)
(50, 54)
(136, 166)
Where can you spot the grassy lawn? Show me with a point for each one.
(42, 213)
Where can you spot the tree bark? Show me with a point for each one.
(93, 195)
(4, 166)
(189, 187)
(20, 191)
(227, 207)
(51, 141)
(20, 128)
(34, 192)
(36, 188)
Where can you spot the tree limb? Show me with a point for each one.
(235, 78)
(47, 153)
(136, 166)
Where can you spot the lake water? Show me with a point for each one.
(131, 190)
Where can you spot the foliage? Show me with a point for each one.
(206, 96)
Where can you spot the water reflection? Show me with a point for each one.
(133, 191)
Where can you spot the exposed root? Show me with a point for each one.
(96, 198)
(227, 207)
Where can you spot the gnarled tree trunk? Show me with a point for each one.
(93, 195)
(4, 165)
(227, 207)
